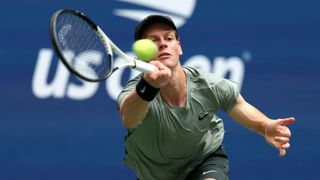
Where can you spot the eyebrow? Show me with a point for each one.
(169, 32)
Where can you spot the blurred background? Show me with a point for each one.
(54, 126)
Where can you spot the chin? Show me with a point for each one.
(169, 64)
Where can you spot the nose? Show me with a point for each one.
(162, 43)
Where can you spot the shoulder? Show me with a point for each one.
(204, 79)
(201, 75)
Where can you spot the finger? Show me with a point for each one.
(286, 121)
(282, 152)
(150, 77)
(286, 146)
(161, 66)
(281, 139)
(157, 64)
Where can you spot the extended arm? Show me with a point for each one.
(275, 132)
(134, 108)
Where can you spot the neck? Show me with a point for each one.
(175, 93)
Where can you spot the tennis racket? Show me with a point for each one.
(85, 49)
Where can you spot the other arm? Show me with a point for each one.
(275, 132)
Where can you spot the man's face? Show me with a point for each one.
(169, 47)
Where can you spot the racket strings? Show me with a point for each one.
(82, 48)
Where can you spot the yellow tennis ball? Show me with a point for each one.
(145, 49)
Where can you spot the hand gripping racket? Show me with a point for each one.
(85, 49)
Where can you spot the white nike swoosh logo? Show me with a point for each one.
(143, 89)
(206, 172)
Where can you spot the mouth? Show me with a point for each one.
(164, 55)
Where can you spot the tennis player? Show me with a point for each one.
(173, 131)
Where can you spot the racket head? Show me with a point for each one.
(80, 45)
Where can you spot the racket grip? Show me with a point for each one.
(144, 67)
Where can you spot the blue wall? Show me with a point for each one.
(45, 134)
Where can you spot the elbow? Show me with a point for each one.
(127, 122)
(132, 114)
(124, 118)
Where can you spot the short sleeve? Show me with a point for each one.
(227, 93)
(128, 87)
(221, 92)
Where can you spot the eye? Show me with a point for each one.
(169, 38)
(153, 39)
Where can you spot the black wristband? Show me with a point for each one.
(146, 91)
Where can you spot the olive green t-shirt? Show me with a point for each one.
(171, 141)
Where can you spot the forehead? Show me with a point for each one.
(158, 28)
